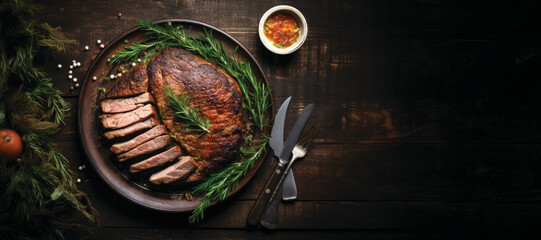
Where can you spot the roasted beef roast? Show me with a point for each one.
(141, 134)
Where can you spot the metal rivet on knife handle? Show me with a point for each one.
(264, 199)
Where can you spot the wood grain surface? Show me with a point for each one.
(428, 111)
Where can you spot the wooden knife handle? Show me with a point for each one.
(266, 196)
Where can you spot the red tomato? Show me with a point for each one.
(11, 145)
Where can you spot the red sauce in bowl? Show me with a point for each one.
(282, 30)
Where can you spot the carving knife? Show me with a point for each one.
(272, 188)
(276, 142)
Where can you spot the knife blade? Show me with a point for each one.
(276, 141)
(295, 133)
(274, 183)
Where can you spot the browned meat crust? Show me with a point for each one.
(214, 93)
(133, 82)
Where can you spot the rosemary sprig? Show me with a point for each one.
(219, 185)
(192, 121)
(131, 53)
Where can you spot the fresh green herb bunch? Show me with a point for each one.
(38, 197)
(190, 116)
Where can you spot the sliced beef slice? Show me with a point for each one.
(175, 172)
(119, 148)
(157, 160)
(151, 122)
(148, 147)
(120, 120)
(119, 105)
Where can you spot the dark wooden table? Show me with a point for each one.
(428, 110)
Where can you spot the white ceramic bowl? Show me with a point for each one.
(303, 29)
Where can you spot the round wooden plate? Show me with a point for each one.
(99, 154)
